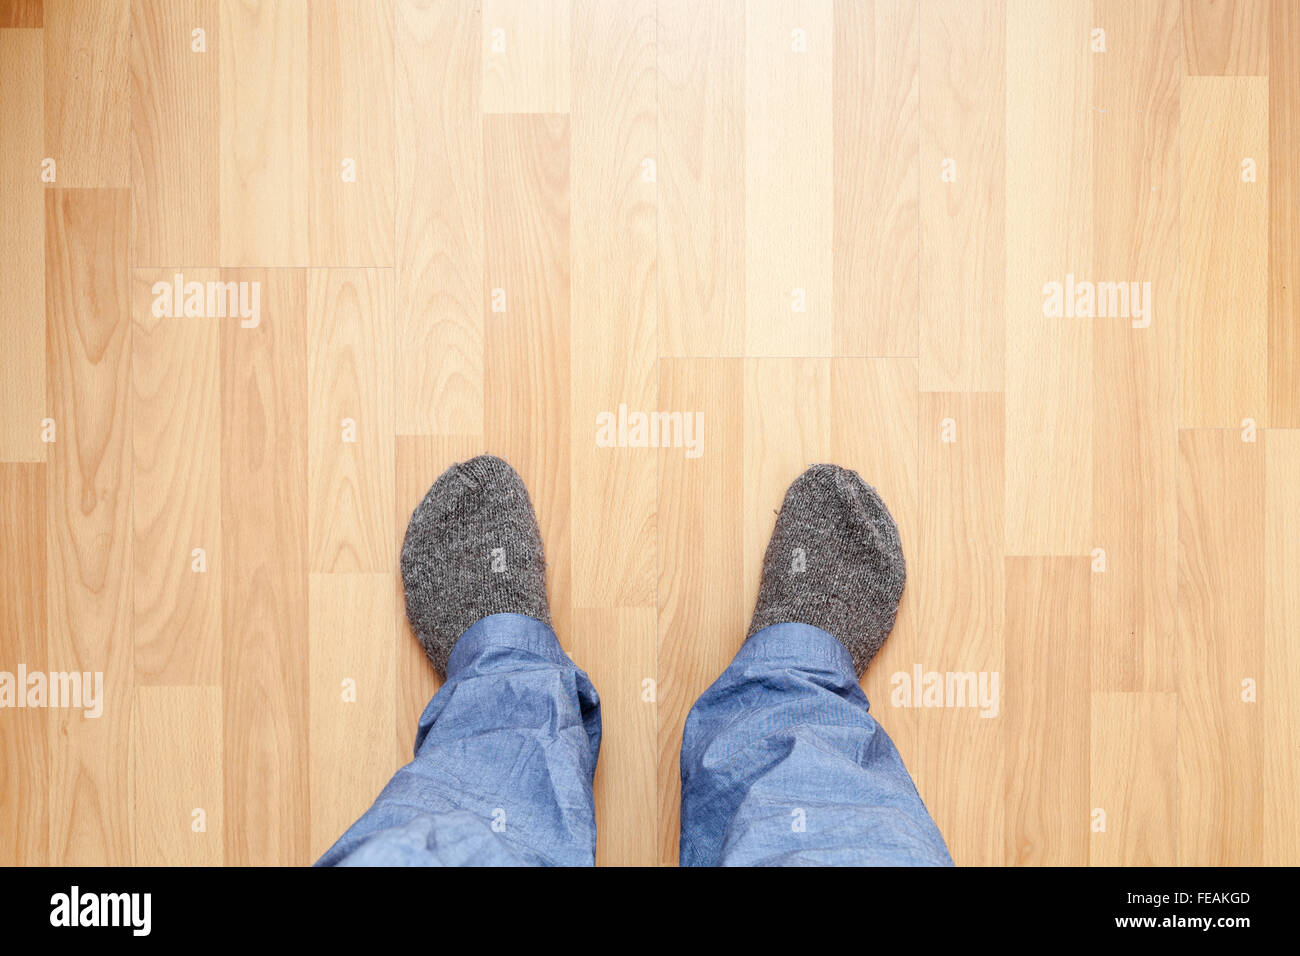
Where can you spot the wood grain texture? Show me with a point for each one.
(1225, 37)
(352, 698)
(1284, 216)
(1224, 332)
(617, 649)
(1047, 720)
(789, 132)
(351, 418)
(175, 124)
(264, 416)
(24, 739)
(265, 135)
(88, 519)
(876, 141)
(439, 253)
(956, 586)
(885, 455)
(179, 819)
(1133, 779)
(616, 204)
(87, 91)
(612, 330)
(787, 428)
(962, 106)
(1281, 770)
(22, 247)
(176, 447)
(526, 56)
(21, 13)
(1049, 239)
(1222, 743)
(350, 124)
(526, 348)
(702, 612)
(700, 92)
(1135, 362)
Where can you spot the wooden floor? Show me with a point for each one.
(830, 228)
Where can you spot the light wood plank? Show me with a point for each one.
(87, 91)
(1281, 704)
(352, 692)
(1134, 778)
(962, 222)
(350, 121)
(88, 527)
(617, 649)
(956, 590)
(1046, 719)
(787, 423)
(1284, 216)
(264, 410)
(176, 447)
(526, 365)
(439, 254)
(22, 245)
(175, 124)
(703, 613)
(1223, 748)
(876, 143)
(647, 183)
(526, 56)
(1135, 377)
(1049, 239)
(884, 453)
(265, 137)
(1225, 37)
(789, 132)
(1224, 333)
(612, 336)
(700, 90)
(24, 733)
(179, 816)
(351, 417)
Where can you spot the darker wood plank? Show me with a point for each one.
(22, 13)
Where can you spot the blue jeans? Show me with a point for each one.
(781, 764)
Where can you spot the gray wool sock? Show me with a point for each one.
(834, 561)
(472, 549)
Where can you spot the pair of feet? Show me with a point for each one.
(473, 549)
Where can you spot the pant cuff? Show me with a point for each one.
(516, 631)
(799, 643)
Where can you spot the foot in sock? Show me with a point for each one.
(472, 549)
(834, 561)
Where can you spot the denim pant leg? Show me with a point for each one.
(504, 759)
(783, 765)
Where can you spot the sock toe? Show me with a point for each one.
(472, 549)
(835, 561)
